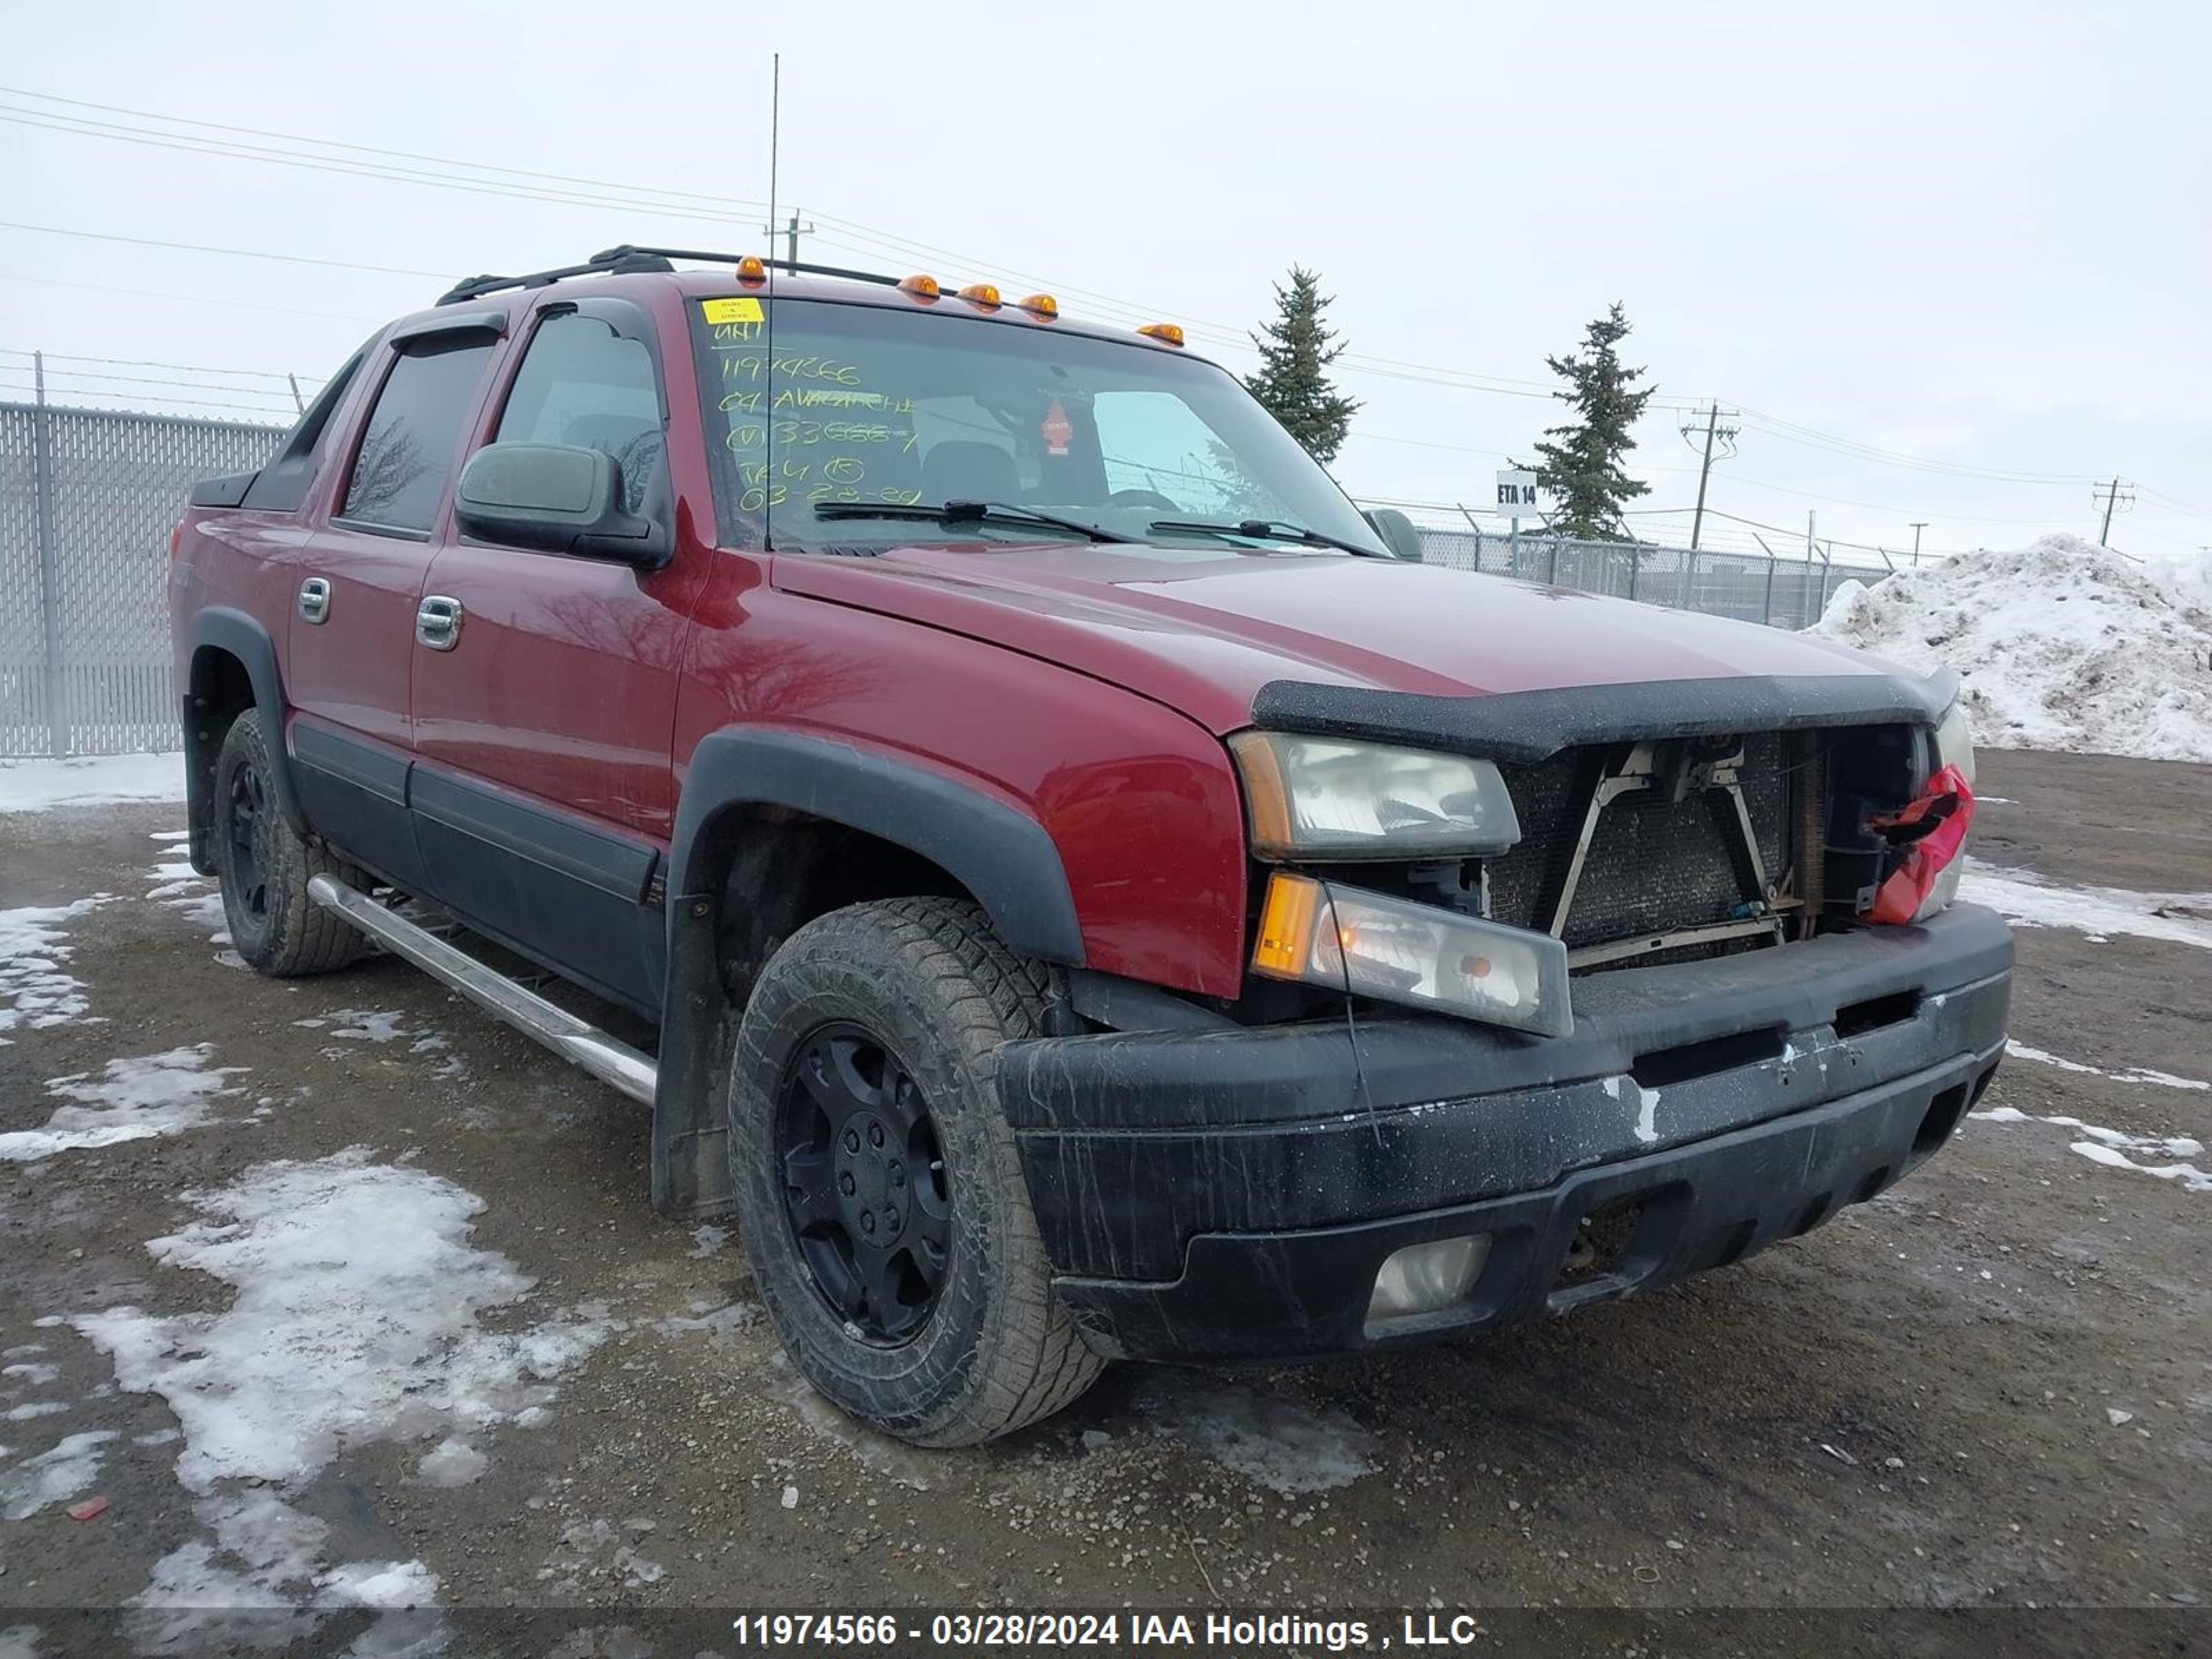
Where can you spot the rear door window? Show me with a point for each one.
(585, 386)
(414, 434)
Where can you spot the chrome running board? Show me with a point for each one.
(576, 1040)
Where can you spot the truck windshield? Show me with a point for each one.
(870, 404)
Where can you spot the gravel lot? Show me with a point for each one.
(1990, 1388)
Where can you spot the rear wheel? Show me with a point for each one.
(879, 1194)
(264, 865)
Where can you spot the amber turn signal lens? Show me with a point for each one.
(1043, 305)
(980, 294)
(750, 269)
(922, 287)
(1171, 332)
(1286, 926)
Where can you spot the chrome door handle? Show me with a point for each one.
(315, 601)
(437, 622)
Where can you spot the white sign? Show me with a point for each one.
(1519, 496)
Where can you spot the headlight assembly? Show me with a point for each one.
(1324, 798)
(1372, 944)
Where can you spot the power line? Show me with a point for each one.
(141, 363)
(233, 252)
(189, 299)
(367, 149)
(629, 199)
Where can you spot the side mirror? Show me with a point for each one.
(552, 496)
(1397, 532)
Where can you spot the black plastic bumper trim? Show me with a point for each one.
(1295, 1295)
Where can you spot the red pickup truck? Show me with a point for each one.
(1093, 900)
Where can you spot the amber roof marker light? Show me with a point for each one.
(985, 294)
(1042, 306)
(753, 269)
(1170, 333)
(920, 286)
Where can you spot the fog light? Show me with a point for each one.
(1423, 1278)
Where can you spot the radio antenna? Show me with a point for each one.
(768, 332)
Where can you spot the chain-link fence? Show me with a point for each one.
(1749, 586)
(88, 498)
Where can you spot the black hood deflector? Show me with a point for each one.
(1533, 726)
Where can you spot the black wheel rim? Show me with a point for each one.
(865, 1187)
(247, 819)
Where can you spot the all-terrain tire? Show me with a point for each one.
(929, 981)
(264, 865)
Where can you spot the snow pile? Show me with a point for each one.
(2062, 645)
(36, 785)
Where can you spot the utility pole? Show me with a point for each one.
(2118, 493)
(1919, 525)
(791, 233)
(1713, 429)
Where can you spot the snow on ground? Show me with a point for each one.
(2135, 1074)
(1277, 1444)
(2028, 900)
(2119, 1150)
(356, 1319)
(34, 990)
(134, 1098)
(35, 785)
(195, 896)
(55, 1476)
(2062, 644)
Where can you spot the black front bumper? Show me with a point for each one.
(1232, 1194)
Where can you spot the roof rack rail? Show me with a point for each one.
(620, 261)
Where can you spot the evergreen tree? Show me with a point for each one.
(1295, 352)
(1582, 468)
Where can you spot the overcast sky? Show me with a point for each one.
(1974, 236)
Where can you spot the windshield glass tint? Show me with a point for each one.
(875, 404)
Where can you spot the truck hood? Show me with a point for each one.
(1309, 639)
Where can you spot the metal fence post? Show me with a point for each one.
(1553, 577)
(1635, 564)
(1766, 605)
(50, 585)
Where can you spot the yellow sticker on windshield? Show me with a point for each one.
(732, 311)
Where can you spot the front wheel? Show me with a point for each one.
(879, 1191)
(264, 865)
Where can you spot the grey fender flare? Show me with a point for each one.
(220, 627)
(1000, 854)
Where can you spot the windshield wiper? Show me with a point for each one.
(1271, 530)
(954, 512)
